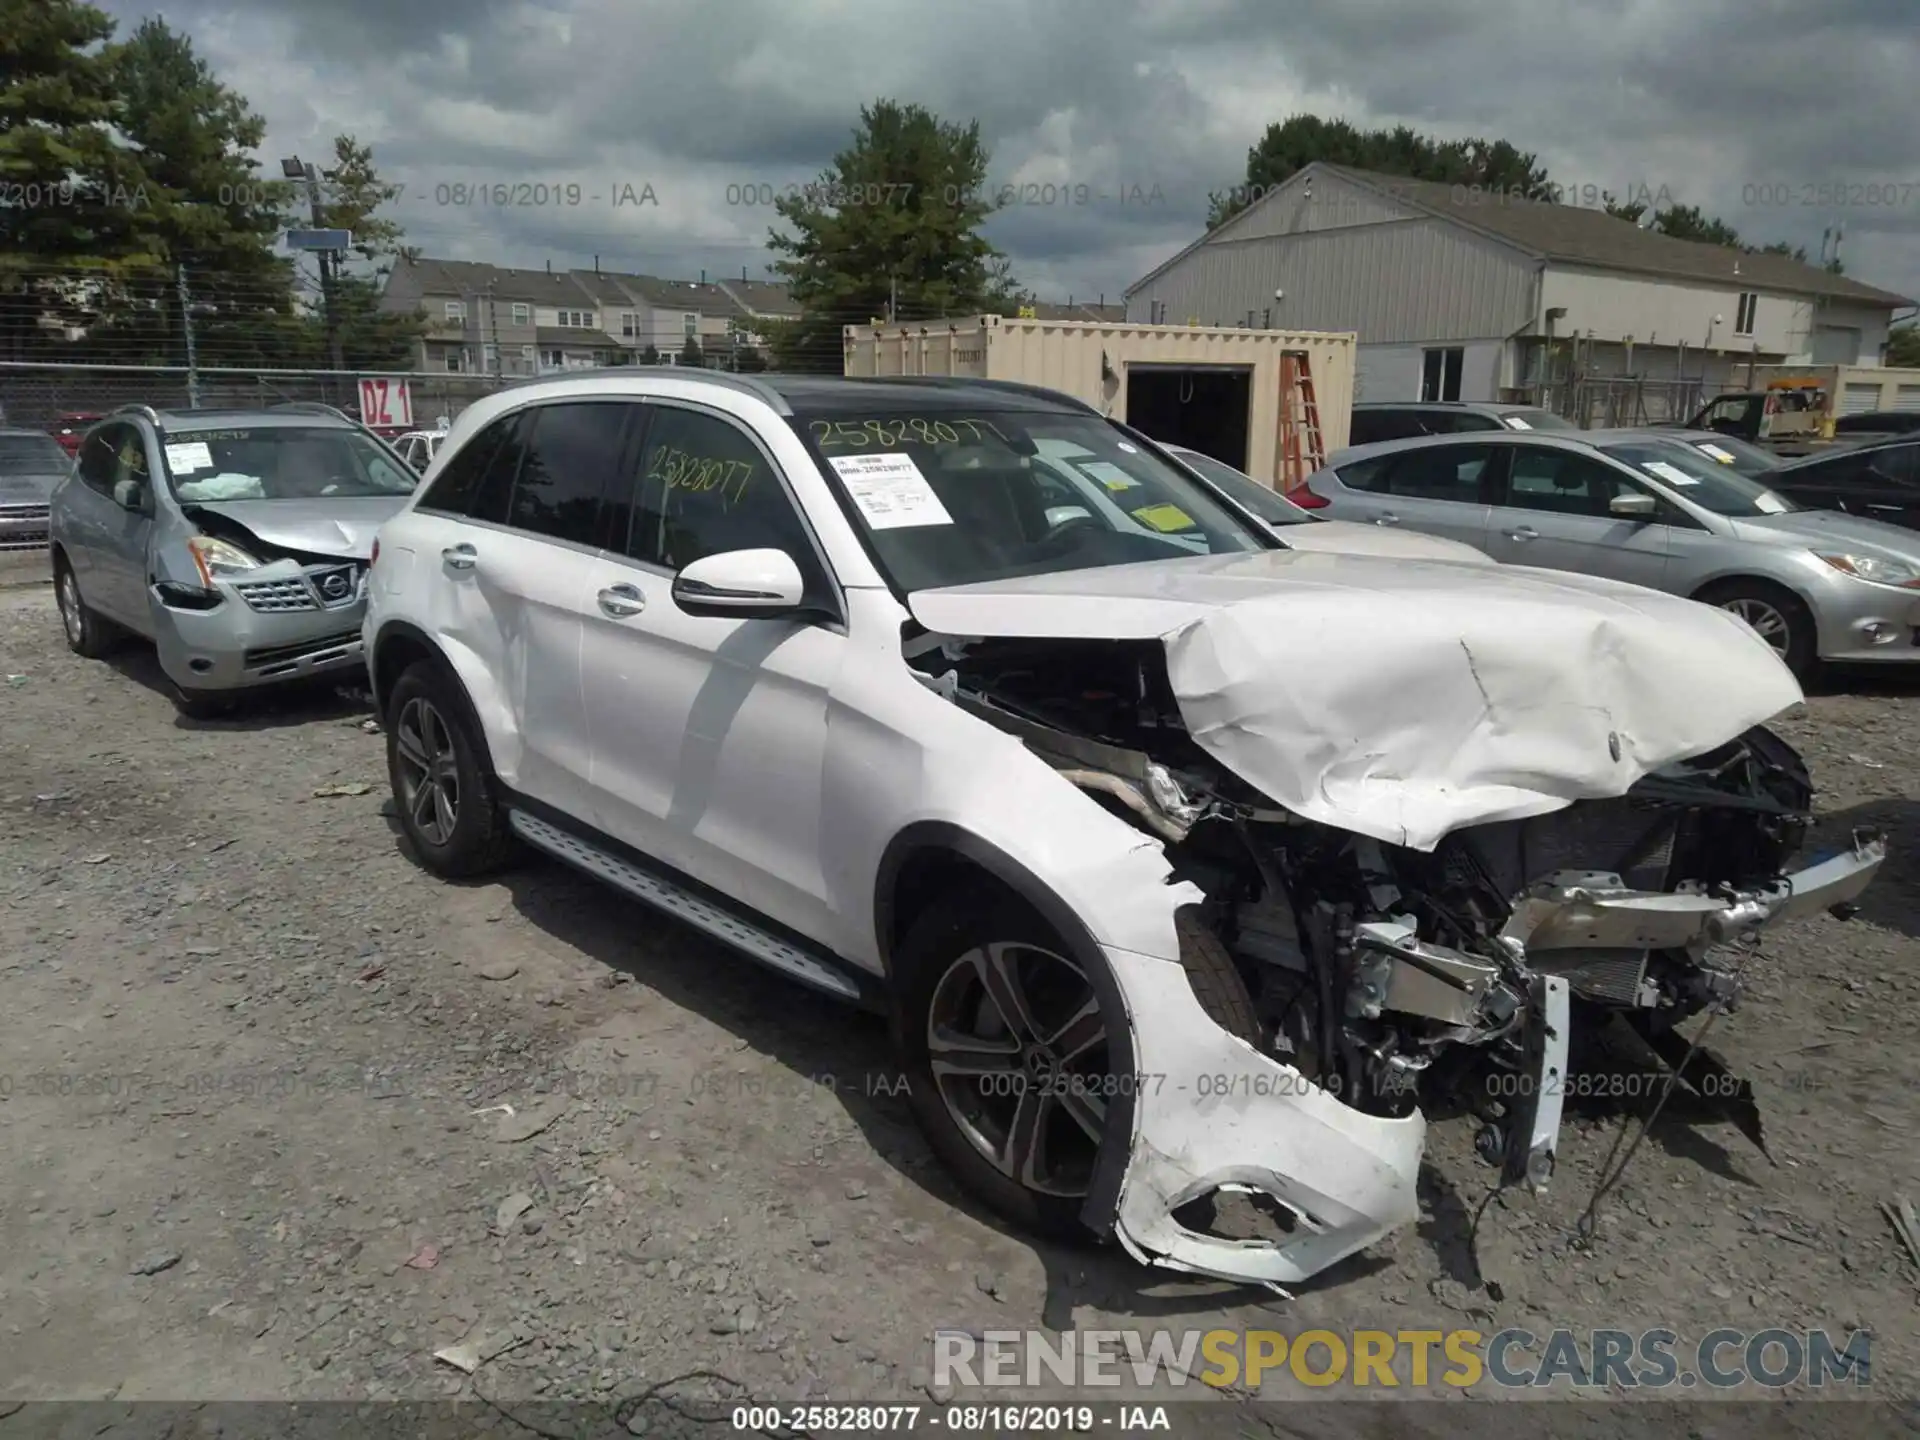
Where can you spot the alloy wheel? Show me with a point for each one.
(69, 594)
(1767, 621)
(1018, 1050)
(429, 771)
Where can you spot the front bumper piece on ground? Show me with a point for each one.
(1572, 910)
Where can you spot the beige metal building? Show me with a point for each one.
(1215, 389)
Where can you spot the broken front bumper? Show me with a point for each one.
(1577, 910)
(1212, 1113)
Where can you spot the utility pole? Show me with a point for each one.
(893, 297)
(294, 169)
(186, 324)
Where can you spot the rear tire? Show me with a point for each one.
(88, 635)
(1777, 615)
(443, 787)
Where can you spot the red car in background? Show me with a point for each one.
(71, 428)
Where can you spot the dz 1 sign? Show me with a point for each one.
(386, 404)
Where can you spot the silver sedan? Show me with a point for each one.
(1653, 510)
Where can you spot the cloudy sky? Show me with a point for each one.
(1745, 107)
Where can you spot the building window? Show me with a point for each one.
(629, 328)
(575, 319)
(522, 314)
(693, 323)
(1440, 373)
(492, 357)
(456, 360)
(457, 311)
(527, 353)
(1743, 313)
(556, 358)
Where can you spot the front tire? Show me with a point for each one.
(1777, 616)
(88, 635)
(443, 789)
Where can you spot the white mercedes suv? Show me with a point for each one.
(1177, 856)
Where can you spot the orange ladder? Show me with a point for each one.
(1301, 449)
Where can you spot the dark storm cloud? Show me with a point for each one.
(1744, 107)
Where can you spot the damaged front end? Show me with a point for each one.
(1333, 980)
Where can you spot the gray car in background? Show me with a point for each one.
(236, 540)
(31, 465)
(1651, 510)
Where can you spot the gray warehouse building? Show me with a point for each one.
(1459, 293)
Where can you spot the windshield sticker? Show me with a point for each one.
(1770, 504)
(1725, 457)
(890, 491)
(1109, 475)
(1167, 519)
(894, 431)
(1514, 422)
(184, 459)
(1667, 472)
(1130, 449)
(701, 474)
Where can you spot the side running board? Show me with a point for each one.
(682, 904)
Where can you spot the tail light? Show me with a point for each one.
(1304, 497)
(373, 556)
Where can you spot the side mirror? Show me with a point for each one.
(130, 495)
(742, 584)
(1633, 507)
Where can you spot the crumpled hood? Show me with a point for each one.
(324, 527)
(1403, 699)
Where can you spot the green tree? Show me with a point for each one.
(1689, 222)
(353, 198)
(691, 354)
(750, 359)
(909, 245)
(213, 213)
(1903, 345)
(1298, 141)
(75, 202)
(650, 355)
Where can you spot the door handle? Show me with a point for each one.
(459, 557)
(1525, 532)
(621, 601)
(1387, 519)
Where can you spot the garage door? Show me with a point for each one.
(1859, 399)
(1906, 397)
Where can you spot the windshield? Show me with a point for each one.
(958, 497)
(283, 462)
(1707, 483)
(32, 454)
(1535, 420)
(1246, 491)
(1730, 450)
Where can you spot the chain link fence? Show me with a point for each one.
(37, 396)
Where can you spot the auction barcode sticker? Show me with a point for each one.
(890, 491)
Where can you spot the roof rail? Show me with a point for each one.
(312, 407)
(963, 382)
(145, 412)
(726, 379)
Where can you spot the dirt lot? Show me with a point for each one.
(247, 1046)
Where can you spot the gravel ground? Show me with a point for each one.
(282, 1115)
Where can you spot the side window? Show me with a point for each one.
(1564, 483)
(1825, 474)
(454, 491)
(572, 455)
(1365, 474)
(706, 488)
(1439, 472)
(99, 464)
(1371, 425)
(1464, 422)
(1897, 465)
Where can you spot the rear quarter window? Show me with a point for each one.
(1364, 474)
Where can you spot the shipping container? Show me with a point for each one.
(1214, 389)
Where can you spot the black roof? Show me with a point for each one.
(928, 392)
(1850, 447)
(1498, 407)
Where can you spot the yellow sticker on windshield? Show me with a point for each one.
(1165, 518)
